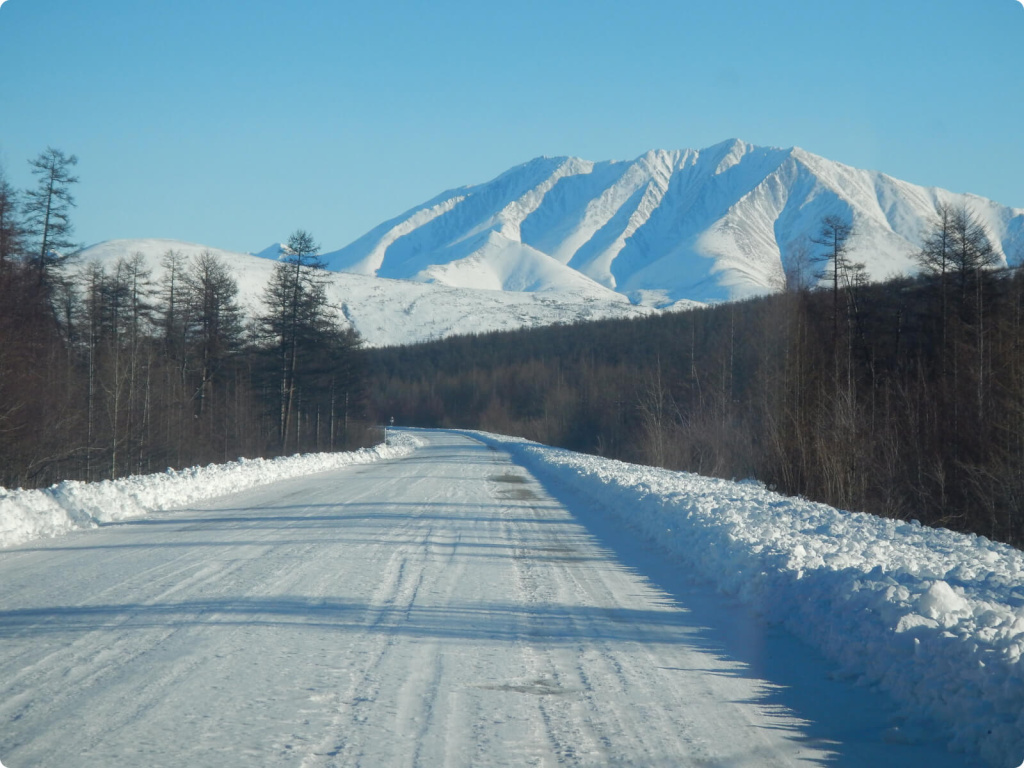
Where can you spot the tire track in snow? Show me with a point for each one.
(342, 741)
(440, 610)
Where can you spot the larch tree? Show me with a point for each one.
(936, 259)
(841, 272)
(834, 237)
(297, 313)
(47, 210)
(214, 329)
(971, 250)
(11, 227)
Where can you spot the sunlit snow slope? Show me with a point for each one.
(712, 224)
(388, 312)
(562, 239)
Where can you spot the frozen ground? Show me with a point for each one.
(482, 600)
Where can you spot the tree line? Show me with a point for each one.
(904, 398)
(106, 371)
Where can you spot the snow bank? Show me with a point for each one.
(933, 617)
(27, 515)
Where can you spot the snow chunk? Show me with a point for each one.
(910, 621)
(944, 605)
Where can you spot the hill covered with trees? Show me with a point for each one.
(106, 372)
(904, 399)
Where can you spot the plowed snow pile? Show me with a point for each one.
(933, 617)
(27, 515)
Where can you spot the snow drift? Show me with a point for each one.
(70, 505)
(933, 617)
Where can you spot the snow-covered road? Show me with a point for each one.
(442, 609)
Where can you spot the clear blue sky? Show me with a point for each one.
(234, 123)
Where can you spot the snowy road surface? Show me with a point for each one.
(441, 609)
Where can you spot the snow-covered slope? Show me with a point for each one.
(388, 312)
(713, 224)
(563, 239)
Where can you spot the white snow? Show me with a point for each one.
(388, 312)
(703, 225)
(496, 263)
(562, 240)
(670, 226)
(31, 514)
(932, 617)
(439, 609)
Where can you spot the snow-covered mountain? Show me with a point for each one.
(712, 224)
(389, 312)
(563, 239)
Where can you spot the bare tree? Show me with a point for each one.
(11, 227)
(172, 305)
(296, 313)
(936, 254)
(936, 258)
(834, 237)
(214, 330)
(971, 249)
(796, 266)
(48, 209)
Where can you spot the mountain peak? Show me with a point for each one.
(711, 224)
(272, 252)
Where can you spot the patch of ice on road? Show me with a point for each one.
(27, 515)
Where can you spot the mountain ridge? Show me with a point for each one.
(561, 239)
(707, 225)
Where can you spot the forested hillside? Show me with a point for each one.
(105, 371)
(905, 399)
